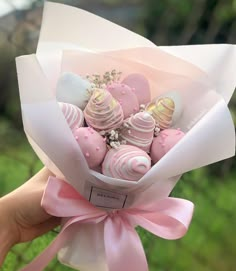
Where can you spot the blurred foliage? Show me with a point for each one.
(174, 22)
(209, 244)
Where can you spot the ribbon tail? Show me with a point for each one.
(124, 250)
(39, 263)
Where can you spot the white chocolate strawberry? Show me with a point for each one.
(73, 89)
(139, 130)
(126, 162)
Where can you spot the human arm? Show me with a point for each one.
(21, 216)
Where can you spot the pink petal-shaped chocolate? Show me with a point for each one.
(140, 86)
(126, 97)
(103, 112)
(126, 162)
(139, 130)
(92, 145)
(73, 115)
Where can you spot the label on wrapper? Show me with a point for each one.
(106, 198)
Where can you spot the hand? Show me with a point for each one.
(21, 216)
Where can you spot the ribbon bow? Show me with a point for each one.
(168, 218)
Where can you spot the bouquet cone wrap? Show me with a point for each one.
(203, 75)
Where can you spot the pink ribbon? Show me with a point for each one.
(168, 218)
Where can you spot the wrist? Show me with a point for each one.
(5, 245)
(6, 232)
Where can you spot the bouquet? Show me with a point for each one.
(118, 120)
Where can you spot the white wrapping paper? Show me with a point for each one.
(203, 75)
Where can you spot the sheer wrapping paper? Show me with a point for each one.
(204, 76)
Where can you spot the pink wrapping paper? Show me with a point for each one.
(204, 76)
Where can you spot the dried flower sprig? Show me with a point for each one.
(101, 81)
(156, 130)
(113, 138)
(142, 107)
